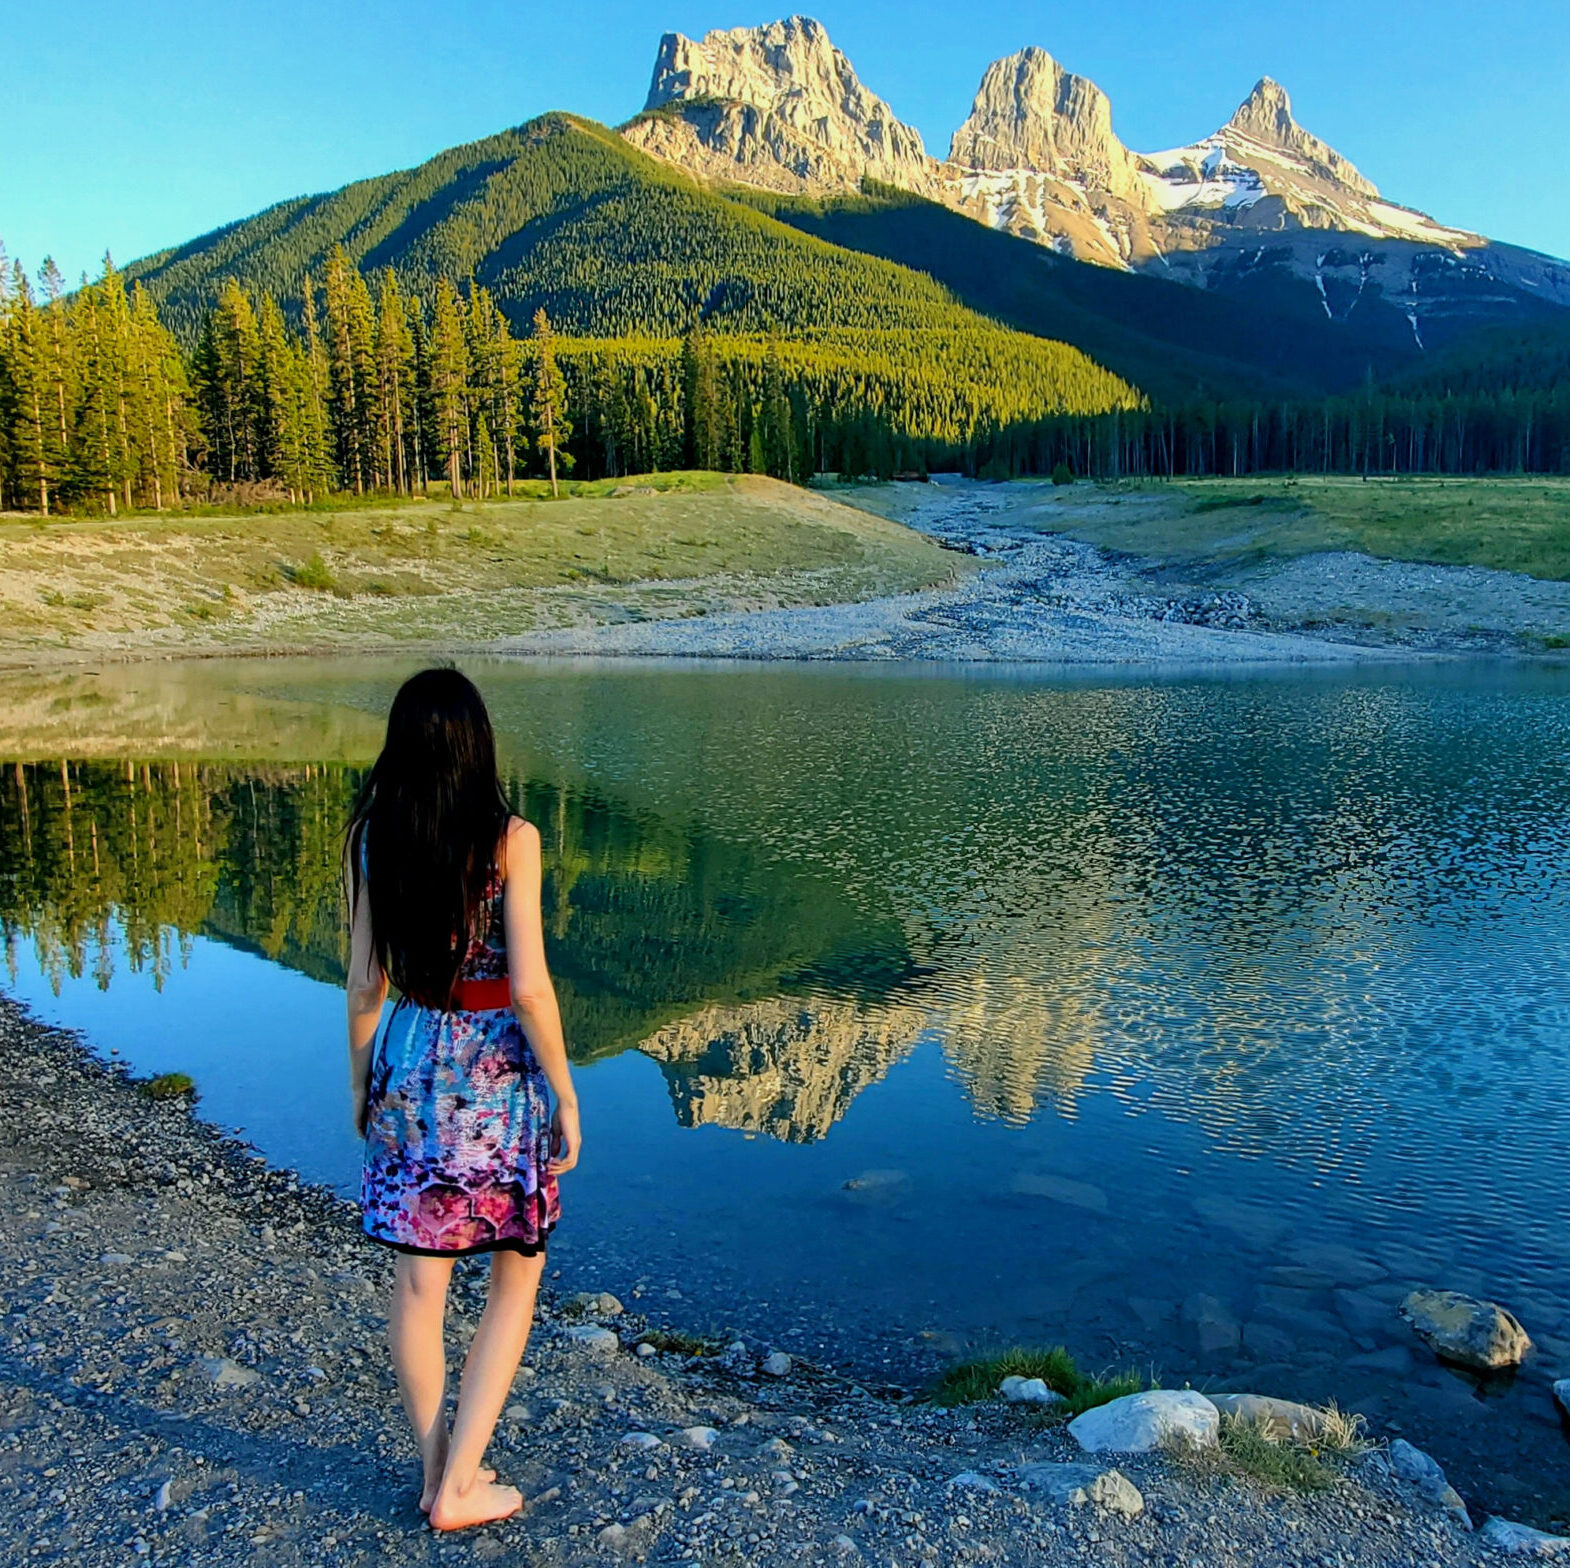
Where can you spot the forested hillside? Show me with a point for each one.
(1170, 339)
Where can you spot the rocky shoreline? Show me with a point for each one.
(193, 1371)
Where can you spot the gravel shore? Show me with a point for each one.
(193, 1372)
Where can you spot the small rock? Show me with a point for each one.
(1421, 1470)
(1059, 1481)
(1521, 1540)
(777, 1365)
(776, 1448)
(119, 1259)
(1113, 1493)
(700, 1437)
(603, 1341)
(644, 1440)
(595, 1303)
(516, 1412)
(221, 1372)
(1029, 1391)
(161, 1497)
(646, 1350)
(969, 1480)
(1138, 1423)
(1471, 1333)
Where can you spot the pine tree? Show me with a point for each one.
(26, 374)
(548, 406)
(395, 382)
(701, 399)
(449, 380)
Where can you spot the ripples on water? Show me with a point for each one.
(1189, 1023)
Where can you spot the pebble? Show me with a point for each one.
(777, 1365)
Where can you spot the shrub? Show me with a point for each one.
(170, 1086)
(1062, 474)
(972, 1381)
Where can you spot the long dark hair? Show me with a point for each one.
(428, 823)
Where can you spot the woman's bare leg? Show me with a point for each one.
(414, 1330)
(466, 1496)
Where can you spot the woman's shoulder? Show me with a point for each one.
(522, 837)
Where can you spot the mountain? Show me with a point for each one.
(780, 103)
(1261, 211)
(614, 244)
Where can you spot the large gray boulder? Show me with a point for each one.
(1521, 1540)
(1423, 1471)
(1138, 1423)
(1463, 1330)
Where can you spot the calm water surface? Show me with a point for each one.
(1187, 1022)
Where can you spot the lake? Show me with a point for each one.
(1185, 1021)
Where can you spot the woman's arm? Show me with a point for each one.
(533, 995)
(367, 990)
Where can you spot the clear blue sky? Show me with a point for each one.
(135, 127)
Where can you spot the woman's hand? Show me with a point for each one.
(566, 1139)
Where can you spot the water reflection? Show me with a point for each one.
(1209, 1016)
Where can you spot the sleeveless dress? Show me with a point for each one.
(457, 1142)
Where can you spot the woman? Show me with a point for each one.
(461, 1153)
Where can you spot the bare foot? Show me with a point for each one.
(428, 1495)
(484, 1503)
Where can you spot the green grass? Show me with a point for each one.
(1510, 524)
(671, 1343)
(170, 1086)
(1247, 1449)
(422, 571)
(972, 1382)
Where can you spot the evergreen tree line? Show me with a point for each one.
(1377, 431)
(95, 396)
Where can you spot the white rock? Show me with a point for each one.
(1113, 1493)
(702, 1437)
(1137, 1423)
(777, 1365)
(969, 1480)
(644, 1440)
(221, 1372)
(646, 1350)
(118, 1259)
(1521, 1540)
(601, 1340)
(162, 1499)
(1029, 1391)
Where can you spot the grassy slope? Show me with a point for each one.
(422, 573)
(1516, 525)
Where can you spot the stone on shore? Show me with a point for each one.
(1138, 1423)
(970, 1480)
(1279, 1418)
(699, 1437)
(1521, 1540)
(221, 1372)
(603, 1341)
(1425, 1473)
(1468, 1332)
(1078, 1484)
(595, 1304)
(777, 1365)
(1029, 1391)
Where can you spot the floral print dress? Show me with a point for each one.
(457, 1143)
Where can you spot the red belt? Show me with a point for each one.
(482, 996)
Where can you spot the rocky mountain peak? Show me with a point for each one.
(1265, 118)
(779, 102)
(1029, 113)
